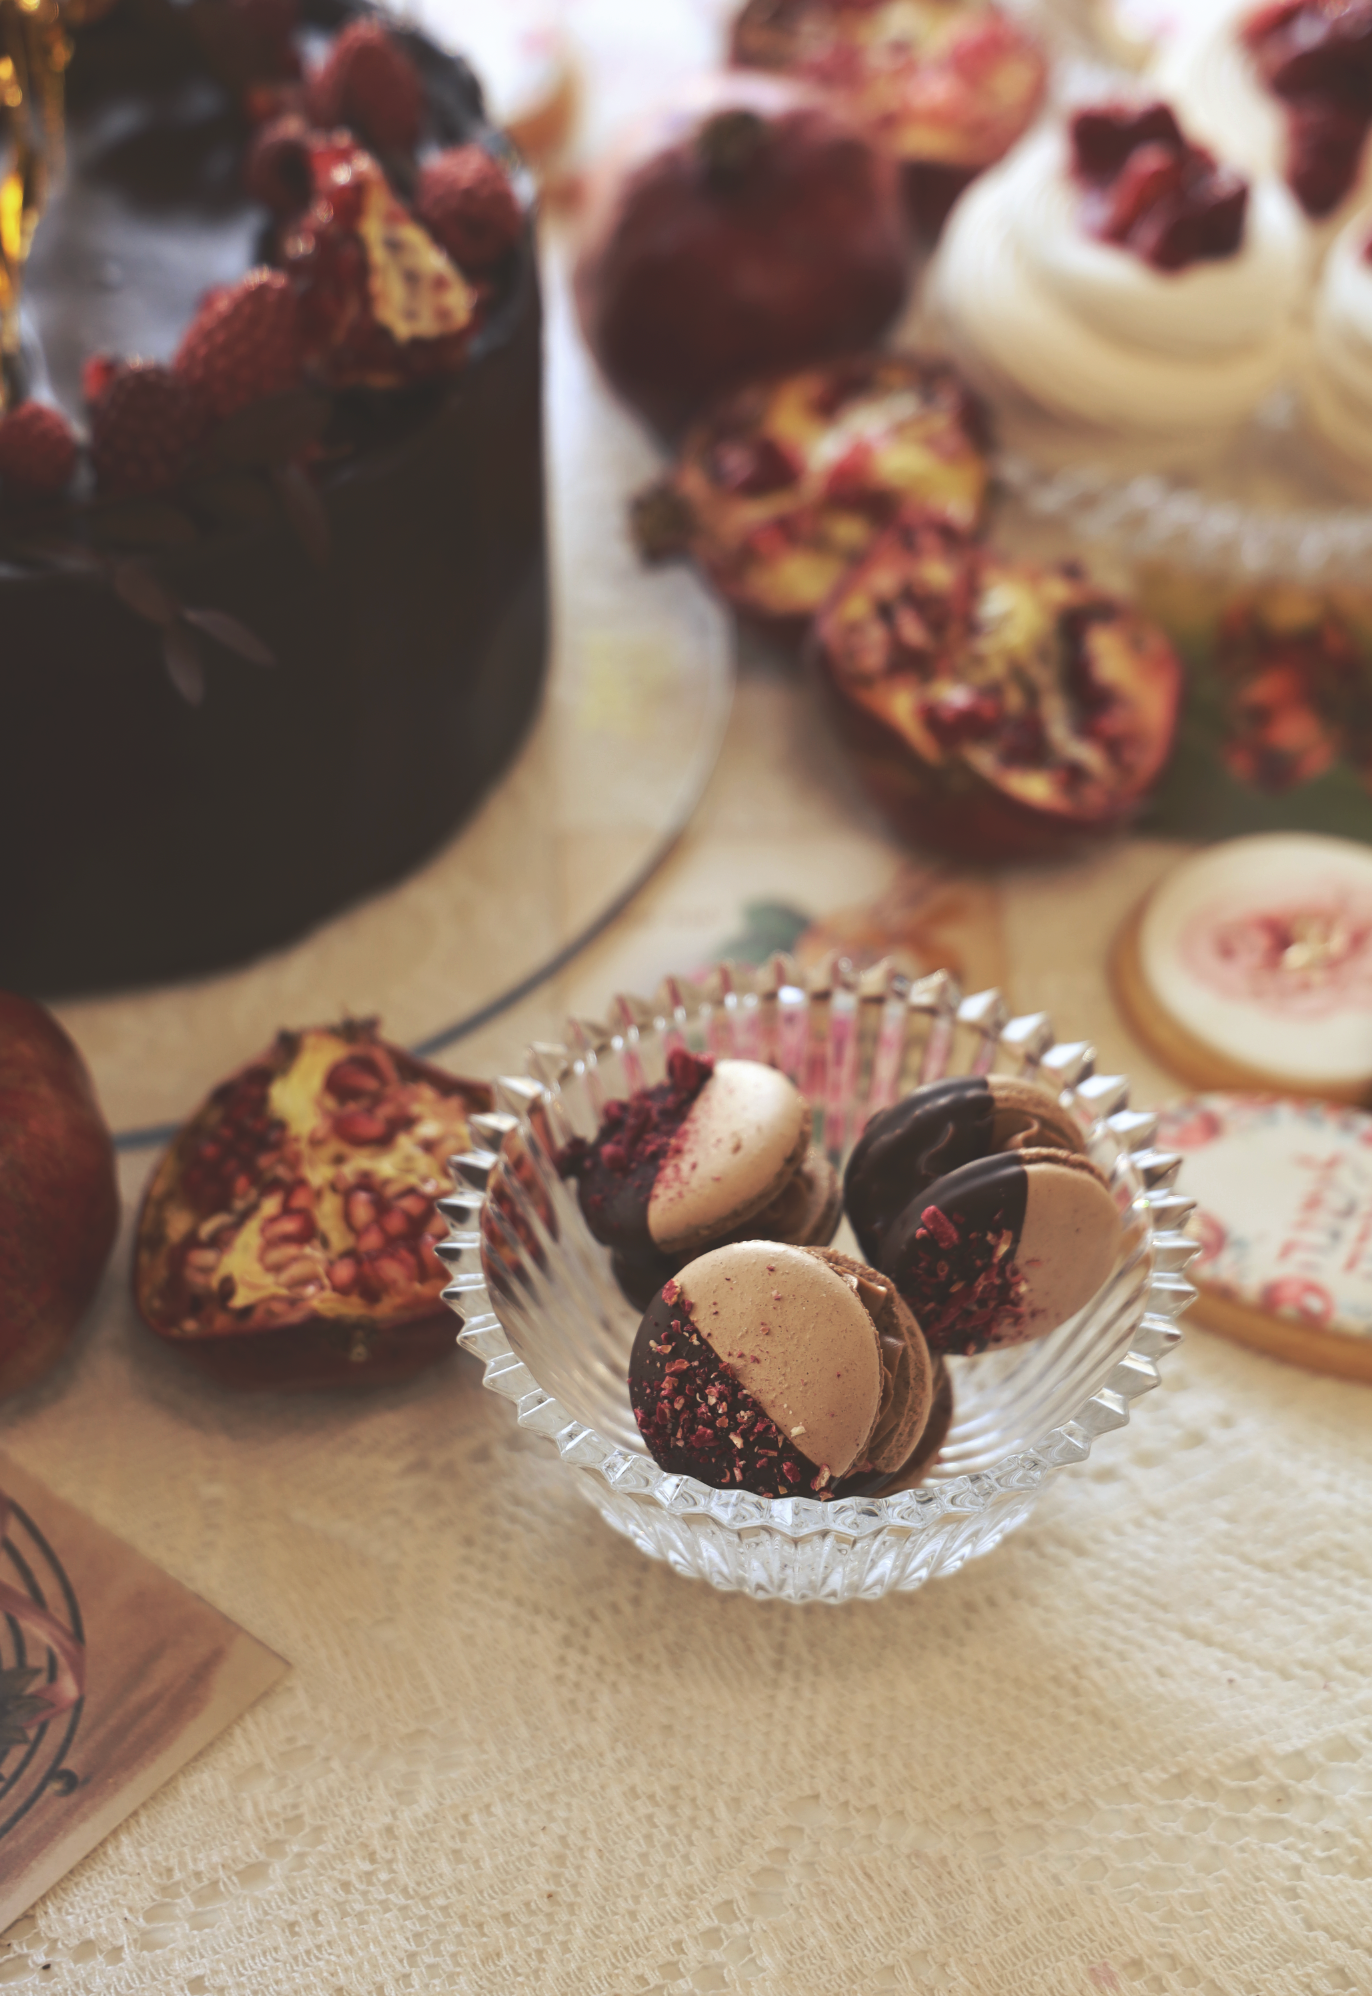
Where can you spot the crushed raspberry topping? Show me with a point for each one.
(699, 1421)
(963, 1283)
(1316, 55)
(635, 1135)
(1150, 191)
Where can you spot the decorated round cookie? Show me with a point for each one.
(1284, 1215)
(1250, 965)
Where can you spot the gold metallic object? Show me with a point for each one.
(34, 53)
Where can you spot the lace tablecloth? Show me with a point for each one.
(1131, 1750)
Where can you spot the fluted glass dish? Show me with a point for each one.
(541, 1309)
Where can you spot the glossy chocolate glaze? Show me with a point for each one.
(156, 839)
(906, 1147)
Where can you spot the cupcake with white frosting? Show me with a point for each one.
(1336, 382)
(1116, 293)
(1281, 89)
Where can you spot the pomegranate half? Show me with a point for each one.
(787, 482)
(745, 228)
(996, 710)
(287, 1237)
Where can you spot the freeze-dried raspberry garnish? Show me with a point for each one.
(697, 1420)
(634, 1137)
(1148, 190)
(963, 1283)
(751, 466)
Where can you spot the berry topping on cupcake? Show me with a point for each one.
(1149, 190)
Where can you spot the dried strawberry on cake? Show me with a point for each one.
(787, 483)
(996, 709)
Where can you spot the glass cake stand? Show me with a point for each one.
(638, 696)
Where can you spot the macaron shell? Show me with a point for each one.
(980, 1269)
(1068, 1242)
(747, 1132)
(798, 1338)
(905, 1147)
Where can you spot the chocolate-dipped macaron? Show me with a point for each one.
(787, 1371)
(976, 1198)
(931, 1132)
(718, 1151)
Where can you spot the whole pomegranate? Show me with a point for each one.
(59, 1202)
(288, 1235)
(996, 709)
(745, 228)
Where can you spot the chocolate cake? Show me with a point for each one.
(171, 802)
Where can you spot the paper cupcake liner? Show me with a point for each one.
(541, 1309)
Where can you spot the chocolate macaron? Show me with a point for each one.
(718, 1151)
(787, 1371)
(976, 1197)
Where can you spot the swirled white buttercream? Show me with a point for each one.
(1048, 321)
(1336, 387)
(1212, 82)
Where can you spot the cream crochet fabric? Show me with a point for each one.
(1131, 1750)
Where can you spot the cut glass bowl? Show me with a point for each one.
(541, 1309)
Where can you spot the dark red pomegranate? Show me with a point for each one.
(746, 228)
(996, 710)
(59, 1203)
(287, 1238)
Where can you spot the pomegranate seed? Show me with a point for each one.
(301, 1273)
(343, 1274)
(360, 1126)
(370, 1240)
(289, 1227)
(753, 466)
(359, 1209)
(353, 1079)
(416, 1205)
(851, 477)
(397, 1268)
(395, 1223)
(302, 1198)
(962, 714)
